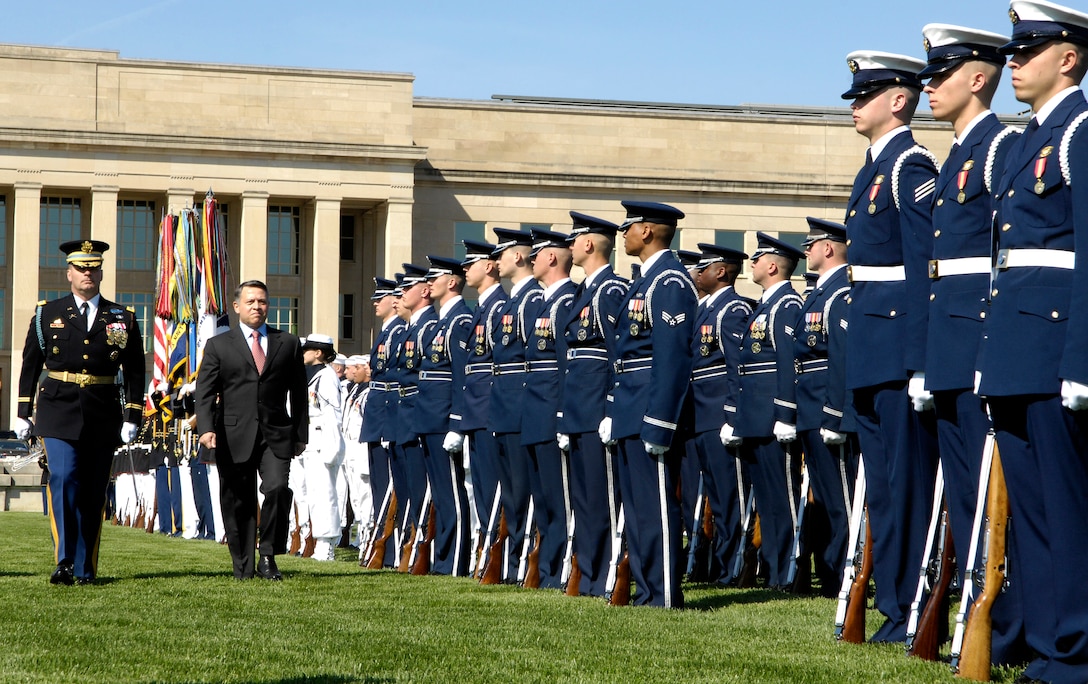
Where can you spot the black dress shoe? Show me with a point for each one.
(266, 569)
(63, 574)
(83, 581)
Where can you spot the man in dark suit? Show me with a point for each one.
(82, 340)
(251, 408)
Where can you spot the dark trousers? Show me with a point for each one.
(652, 520)
(726, 483)
(202, 499)
(238, 498)
(832, 471)
(79, 473)
(693, 485)
(899, 446)
(776, 479)
(482, 455)
(168, 494)
(408, 461)
(595, 498)
(1044, 451)
(513, 467)
(381, 485)
(549, 481)
(446, 475)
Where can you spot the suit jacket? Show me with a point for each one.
(64, 409)
(1035, 331)
(653, 352)
(590, 337)
(715, 349)
(962, 223)
(889, 223)
(819, 349)
(545, 355)
(235, 402)
(767, 390)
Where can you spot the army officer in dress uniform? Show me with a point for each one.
(84, 411)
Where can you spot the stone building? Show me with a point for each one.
(328, 178)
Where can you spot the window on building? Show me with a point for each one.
(3, 231)
(50, 295)
(284, 226)
(61, 220)
(733, 239)
(347, 316)
(538, 226)
(347, 238)
(283, 313)
(795, 240)
(466, 230)
(143, 304)
(137, 232)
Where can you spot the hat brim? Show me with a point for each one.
(939, 68)
(1020, 44)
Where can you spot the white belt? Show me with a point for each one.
(942, 268)
(1038, 258)
(876, 274)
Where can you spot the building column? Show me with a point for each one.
(178, 199)
(324, 287)
(253, 245)
(104, 227)
(396, 235)
(25, 250)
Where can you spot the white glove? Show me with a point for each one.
(128, 432)
(654, 449)
(563, 441)
(187, 389)
(832, 438)
(453, 442)
(162, 387)
(919, 395)
(605, 431)
(727, 437)
(784, 432)
(22, 428)
(1074, 395)
(386, 443)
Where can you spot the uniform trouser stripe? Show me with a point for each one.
(666, 562)
(78, 479)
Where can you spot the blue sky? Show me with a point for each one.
(790, 52)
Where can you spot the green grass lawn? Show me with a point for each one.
(168, 610)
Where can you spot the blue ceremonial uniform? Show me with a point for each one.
(549, 468)
(819, 350)
(891, 238)
(589, 334)
(766, 396)
(510, 335)
(1033, 339)
(445, 350)
(652, 369)
(720, 322)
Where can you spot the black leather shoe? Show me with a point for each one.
(63, 574)
(266, 569)
(83, 581)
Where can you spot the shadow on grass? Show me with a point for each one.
(736, 597)
(313, 679)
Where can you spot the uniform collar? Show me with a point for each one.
(878, 147)
(415, 316)
(772, 289)
(1053, 103)
(448, 306)
(486, 294)
(554, 287)
(654, 258)
(958, 140)
(590, 277)
(715, 296)
(827, 275)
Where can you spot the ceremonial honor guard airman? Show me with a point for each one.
(766, 416)
(589, 335)
(549, 467)
(890, 235)
(819, 350)
(720, 322)
(89, 402)
(383, 390)
(963, 70)
(1033, 365)
(651, 372)
(445, 352)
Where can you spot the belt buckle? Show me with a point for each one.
(618, 366)
(527, 368)
(798, 366)
(495, 370)
(1002, 259)
(933, 275)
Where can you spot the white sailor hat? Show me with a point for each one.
(948, 46)
(875, 71)
(1035, 22)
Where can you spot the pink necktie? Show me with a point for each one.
(258, 353)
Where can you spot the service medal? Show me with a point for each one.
(961, 197)
(756, 347)
(1040, 187)
(56, 350)
(872, 209)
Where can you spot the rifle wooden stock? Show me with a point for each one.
(532, 569)
(933, 624)
(422, 565)
(405, 563)
(575, 579)
(749, 568)
(975, 655)
(853, 626)
(378, 546)
(296, 537)
(492, 573)
(139, 517)
(621, 593)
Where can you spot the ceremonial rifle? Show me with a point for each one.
(973, 660)
(377, 548)
(525, 577)
(617, 586)
(929, 562)
(490, 570)
(696, 520)
(798, 525)
(746, 561)
(850, 612)
(933, 626)
(571, 575)
(421, 553)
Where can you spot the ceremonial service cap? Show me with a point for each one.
(948, 46)
(875, 71)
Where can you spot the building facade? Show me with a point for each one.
(328, 178)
